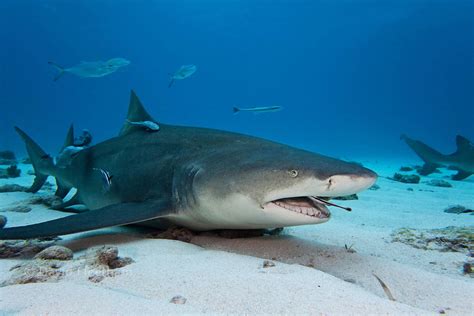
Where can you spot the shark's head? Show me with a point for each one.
(271, 186)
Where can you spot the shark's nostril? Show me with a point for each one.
(293, 173)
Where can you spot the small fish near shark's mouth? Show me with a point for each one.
(307, 205)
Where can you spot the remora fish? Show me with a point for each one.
(461, 160)
(260, 109)
(148, 125)
(199, 178)
(91, 69)
(183, 72)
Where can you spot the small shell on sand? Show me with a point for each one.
(55, 252)
(96, 278)
(268, 264)
(178, 300)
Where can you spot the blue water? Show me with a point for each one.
(350, 75)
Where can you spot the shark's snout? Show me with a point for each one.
(347, 184)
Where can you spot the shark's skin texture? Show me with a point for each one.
(461, 160)
(199, 178)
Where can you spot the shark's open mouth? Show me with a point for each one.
(305, 205)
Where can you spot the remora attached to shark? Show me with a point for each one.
(199, 178)
(461, 160)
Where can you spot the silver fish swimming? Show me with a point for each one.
(91, 69)
(259, 109)
(199, 178)
(184, 72)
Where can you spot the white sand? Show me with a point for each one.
(226, 275)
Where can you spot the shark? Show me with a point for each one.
(199, 178)
(462, 160)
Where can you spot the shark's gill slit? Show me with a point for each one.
(322, 200)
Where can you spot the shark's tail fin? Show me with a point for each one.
(236, 110)
(171, 82)
(42, 163)
(59, 68)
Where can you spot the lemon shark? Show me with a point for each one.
(461, 160)
(199, 178)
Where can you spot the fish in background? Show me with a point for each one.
(182, 73)
(258, 109)
(462, 160)
(91, 69)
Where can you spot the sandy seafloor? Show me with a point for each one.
(313, 272)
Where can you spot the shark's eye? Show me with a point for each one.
(293, 173)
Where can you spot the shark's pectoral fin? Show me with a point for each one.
(428, 168)
(40, 179)
(75, 200)
(62, 189)
(112, 215)
(461, 175)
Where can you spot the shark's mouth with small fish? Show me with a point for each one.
(307, 205)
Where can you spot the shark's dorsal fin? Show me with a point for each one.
(63, 189)
(69, 141)
(136, 113)
(462, 143)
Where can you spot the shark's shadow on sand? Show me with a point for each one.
(350, 266)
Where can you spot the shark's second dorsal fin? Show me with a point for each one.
(63, 189)
(462, 143)
(136, 113)
(69, 141)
